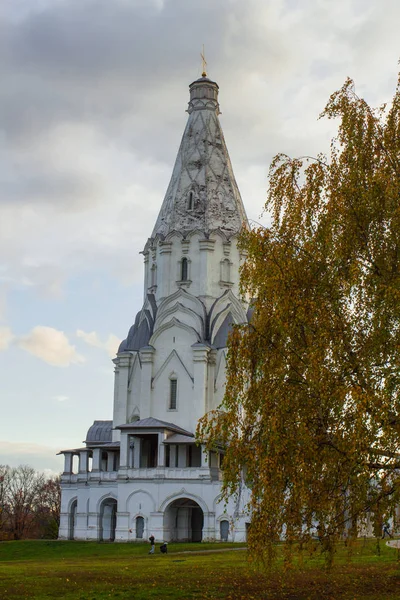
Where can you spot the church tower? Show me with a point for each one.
(143, 473)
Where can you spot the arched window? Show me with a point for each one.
(139, 527)
(173, 388)
(190, 201)
(184, 269)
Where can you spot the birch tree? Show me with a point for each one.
(311, 414)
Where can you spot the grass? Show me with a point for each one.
(92, 571)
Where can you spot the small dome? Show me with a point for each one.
(100, 431)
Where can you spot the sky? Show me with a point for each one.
(92, 109)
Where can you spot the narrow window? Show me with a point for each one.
(173, 383)
(184, 269)
(190, 201)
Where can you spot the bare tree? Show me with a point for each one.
(47, 511)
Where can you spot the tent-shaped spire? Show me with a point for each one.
(202, 193)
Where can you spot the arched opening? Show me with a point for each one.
(184, 269)
(108, 520)
(72, 520)
(224, 530)
(190, 201)
(139, 528)
(183, 521)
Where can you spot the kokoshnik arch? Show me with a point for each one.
(142, 472)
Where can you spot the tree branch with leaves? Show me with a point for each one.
(311, 413)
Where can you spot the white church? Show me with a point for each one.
(143, 473)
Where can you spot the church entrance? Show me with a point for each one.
(108, 520)
(183, 521)
(72, 520)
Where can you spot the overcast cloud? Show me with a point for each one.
(92, 103)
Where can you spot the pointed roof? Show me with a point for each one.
(203, 193)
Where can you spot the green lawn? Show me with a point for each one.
(91, 571)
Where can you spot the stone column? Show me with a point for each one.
(137, 452)
(172, 455)
(146, 357)
(205, 457)
(161, 449)
(182, 456)
(83, 461)
(124, 451)
(96, 460)
(68, 463)
(110, 460)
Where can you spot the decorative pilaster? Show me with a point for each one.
(122, 527)
(212, 361)
(164, 276)
(146, 358)
(200, 363)
(123, 363)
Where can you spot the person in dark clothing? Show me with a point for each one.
(164, 548)
(152, 542)
(386, 531)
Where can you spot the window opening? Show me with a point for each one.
(190, 201)
(184, 269)
(172, 393)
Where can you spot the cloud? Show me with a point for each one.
(61, 398)
(6, 337)
(50, 345)
(40, 457)
(92, 339)
(92, 108)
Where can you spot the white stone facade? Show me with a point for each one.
(143, 473)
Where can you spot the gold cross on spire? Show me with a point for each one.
(203, 58)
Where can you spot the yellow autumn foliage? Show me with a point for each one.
(311, 414)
